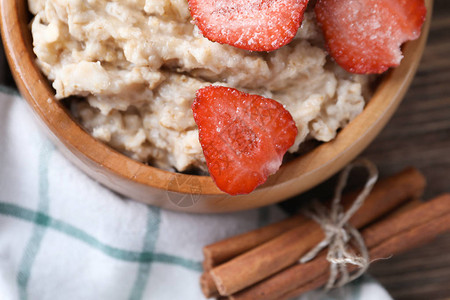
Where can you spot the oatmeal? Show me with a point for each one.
(138, 64)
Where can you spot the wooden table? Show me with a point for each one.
(417, 135)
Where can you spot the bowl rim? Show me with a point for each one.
(349, 142)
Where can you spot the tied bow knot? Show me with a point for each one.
(339, 233)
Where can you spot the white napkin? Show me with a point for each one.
(64, 236)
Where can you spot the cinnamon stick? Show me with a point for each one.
(284, 250)
(308, 286)
(208, 286)
(397, 222)
(398, 243)
(224, 250)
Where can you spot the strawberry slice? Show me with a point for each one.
(257, 25)
(364, 36)
(243, 136)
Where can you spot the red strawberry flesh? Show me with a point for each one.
(364, 36)
(257, 25)
(244, 137)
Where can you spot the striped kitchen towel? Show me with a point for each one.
(64, 236)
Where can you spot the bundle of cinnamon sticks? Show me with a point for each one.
(264, 263)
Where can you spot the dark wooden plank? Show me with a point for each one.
(422, 273)
(419, 135)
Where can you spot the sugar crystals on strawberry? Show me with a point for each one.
(244, 137)
(364, 36)
(257, 25)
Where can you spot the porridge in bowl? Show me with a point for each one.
(163, 80)
(140, 63)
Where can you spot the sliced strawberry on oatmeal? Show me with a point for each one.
(244, 137)
(364, 36)
(257, 25)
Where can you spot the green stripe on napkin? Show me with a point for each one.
(125, 255)
(33, 245)
(151, 236)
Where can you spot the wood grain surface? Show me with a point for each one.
(418, 135)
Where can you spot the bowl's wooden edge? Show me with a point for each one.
(155, 186)
(60, 126)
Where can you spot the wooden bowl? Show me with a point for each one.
(192, 193)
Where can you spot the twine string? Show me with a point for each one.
(338, 232)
